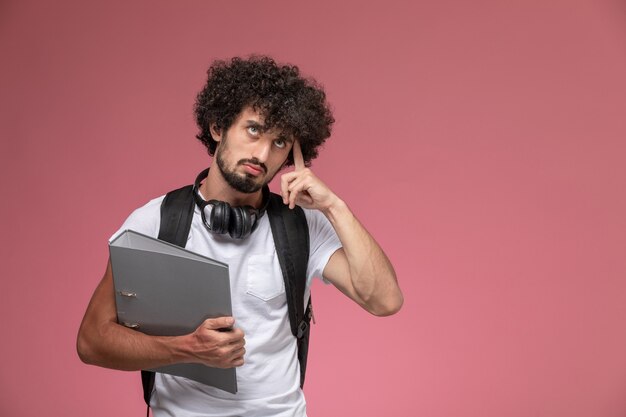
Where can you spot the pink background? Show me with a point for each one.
(481, 142)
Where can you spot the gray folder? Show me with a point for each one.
(162, 289)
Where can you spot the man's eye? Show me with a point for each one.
(253, 130)
(280, 143)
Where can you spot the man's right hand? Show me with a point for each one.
(218, 344)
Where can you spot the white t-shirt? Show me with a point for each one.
(269, 381)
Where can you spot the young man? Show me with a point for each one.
(255, 117)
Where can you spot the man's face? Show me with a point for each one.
(249, 155)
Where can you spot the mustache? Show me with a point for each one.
(253, 161)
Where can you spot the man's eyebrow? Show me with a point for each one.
(254, 123)
(285, 137)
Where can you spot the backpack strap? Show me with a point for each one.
(176, 216)
(291, 238)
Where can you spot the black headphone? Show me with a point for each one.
(239, 222)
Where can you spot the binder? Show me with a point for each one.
(162, 289)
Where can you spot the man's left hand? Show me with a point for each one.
(303, 188)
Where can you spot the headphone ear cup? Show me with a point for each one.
(220, 217)
(237, 226)
(246, 218)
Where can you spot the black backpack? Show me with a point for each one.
(291, 237)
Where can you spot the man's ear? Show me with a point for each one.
(216, 133)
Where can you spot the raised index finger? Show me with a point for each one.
(298, 159)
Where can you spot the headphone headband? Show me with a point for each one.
(239, 221)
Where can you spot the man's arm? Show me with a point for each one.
(103, 342)
(361, 270)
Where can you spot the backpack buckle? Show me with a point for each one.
(302, 328)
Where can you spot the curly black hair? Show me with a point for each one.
(286, 100)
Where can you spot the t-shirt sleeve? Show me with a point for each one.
(323, 243)
(145, 220)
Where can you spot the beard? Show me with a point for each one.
(245, 183)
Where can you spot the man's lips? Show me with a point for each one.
(253, 169)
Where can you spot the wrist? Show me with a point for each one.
(336, 210)
(180, 348)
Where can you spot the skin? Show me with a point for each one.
(360, 269)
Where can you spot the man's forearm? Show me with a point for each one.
(103, 342)
(371, 273)
(114, 346)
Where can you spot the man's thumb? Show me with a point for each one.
(219, 323)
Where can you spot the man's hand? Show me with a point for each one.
(303, 188)
(217, 344)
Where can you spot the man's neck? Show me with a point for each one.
(215, 187)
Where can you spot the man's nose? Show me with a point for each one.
(262, 150)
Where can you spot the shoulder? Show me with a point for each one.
(316, 220)
(145, 219)
(148, 212)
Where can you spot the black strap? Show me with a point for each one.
(291, 238)
(176, 216)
